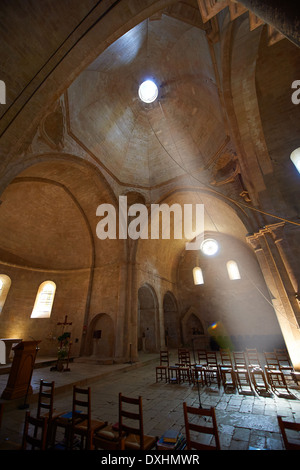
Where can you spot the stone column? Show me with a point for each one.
(265, 244)
(283, 256)
(126, 322)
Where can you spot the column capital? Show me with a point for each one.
(276, 231)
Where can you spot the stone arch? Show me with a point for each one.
(148, 329)
(193, 332)
(101, 338)
(171, 320)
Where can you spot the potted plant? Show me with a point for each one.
(63, 349)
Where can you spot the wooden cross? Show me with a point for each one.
(65, 323)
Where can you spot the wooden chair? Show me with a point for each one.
(45, 400)
(256, 372)
(211, 372)
(82, 423)
(162, 369)
(184, 357)
(35, 432)
(184, 364)
(286, 366)
(290, 433)
(252, 357)
(194, 431)
(45, 404)
(202, 360)
(226, 370)
(131, 424)
(197, 369)
(174, 374)
(274, 374)
(241, 371)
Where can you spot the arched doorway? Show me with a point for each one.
(171, 325)
(101, 335)
(147, 319)
(193, 331)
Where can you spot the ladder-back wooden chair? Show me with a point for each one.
(45, 404)
(201, 428)
(256, 371)
(82, 423)
(241, 371)
(45, 400)
(184, 364)
(34, 432)
(131, 424)
(162, 369)
(290, 432)
(201, 357)
(211, 372)
(184, 357)
(286, 366)
(226, 370)
(274, 374)
(197, 369)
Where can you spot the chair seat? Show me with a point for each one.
(132, 442)
(94, 425)
(108, 432)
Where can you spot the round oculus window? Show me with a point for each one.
(209, 247)
(148, 91)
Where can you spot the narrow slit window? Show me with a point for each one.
(44, 300)
(233, 270)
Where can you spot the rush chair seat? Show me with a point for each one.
(82, 423)
(131, 424)
(162, 369)
(290, 432)
(108, 439)
(35, 432)
(200, 436)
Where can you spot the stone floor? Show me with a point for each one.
(245, 421)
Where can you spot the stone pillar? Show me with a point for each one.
(126, 323)
(267, 244)
(283, 15)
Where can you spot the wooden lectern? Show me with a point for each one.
(18, 384)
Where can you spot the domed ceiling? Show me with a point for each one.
(147, 145)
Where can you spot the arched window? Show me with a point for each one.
(233, 270)
(44, 300)
(295, 157)
(198, 276)
(5, 283)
